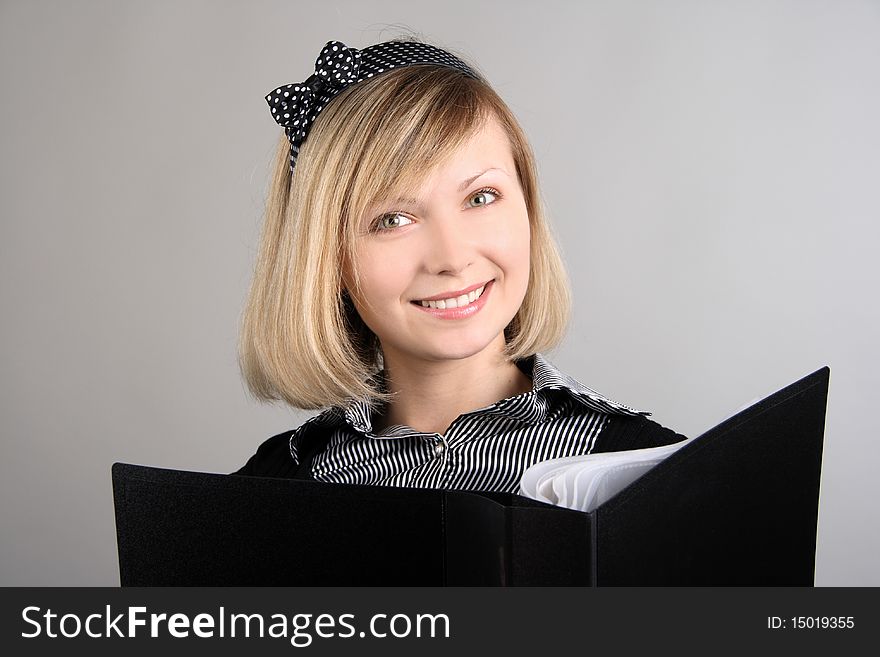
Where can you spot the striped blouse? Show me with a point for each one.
(488, 449)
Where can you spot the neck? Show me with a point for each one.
(432, 394)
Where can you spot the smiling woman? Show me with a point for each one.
(416, 286)
(407, 282)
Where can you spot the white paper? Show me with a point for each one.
(585, 482)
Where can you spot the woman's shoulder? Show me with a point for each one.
(282, 454)
(626, 427)
(546, 377)
(625, 432)
(272, 459)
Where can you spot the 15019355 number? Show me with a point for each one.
(822, 622)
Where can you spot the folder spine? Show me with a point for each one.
(592, 523)
(444, 563)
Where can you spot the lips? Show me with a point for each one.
(455, 302)
(459, 312)
(454, 293)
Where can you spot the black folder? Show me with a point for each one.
(736, 506)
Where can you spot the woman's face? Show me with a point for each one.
(468, 228)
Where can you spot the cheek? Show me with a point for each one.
(383, 275)
(512, 246)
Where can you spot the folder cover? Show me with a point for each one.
(736, 506)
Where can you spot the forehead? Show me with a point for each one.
(486, 148)
(489, 146)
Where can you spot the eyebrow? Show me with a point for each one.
(463, 186)
(466, 183)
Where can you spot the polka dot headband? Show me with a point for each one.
(295, 106)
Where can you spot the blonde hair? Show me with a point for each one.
(301, 340)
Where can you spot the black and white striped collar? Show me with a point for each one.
(529, 407)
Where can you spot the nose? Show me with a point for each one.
(449, 247)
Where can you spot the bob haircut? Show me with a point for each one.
(301, 340)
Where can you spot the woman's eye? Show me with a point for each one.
(484, 197)
(391, 221)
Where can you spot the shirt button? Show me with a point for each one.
(438, 449)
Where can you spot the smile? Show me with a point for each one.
(455, 302)
(458, 307)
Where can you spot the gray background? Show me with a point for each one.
(710, 168)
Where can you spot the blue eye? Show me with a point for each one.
(387, 221)
(484, 197)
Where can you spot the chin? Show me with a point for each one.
(459, 350)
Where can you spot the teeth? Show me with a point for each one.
(455, 302)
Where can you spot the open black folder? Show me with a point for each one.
(736, 506)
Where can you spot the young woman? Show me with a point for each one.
(407, 283)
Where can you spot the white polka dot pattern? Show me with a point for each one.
(295, 106)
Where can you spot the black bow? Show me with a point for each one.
(293, 106)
